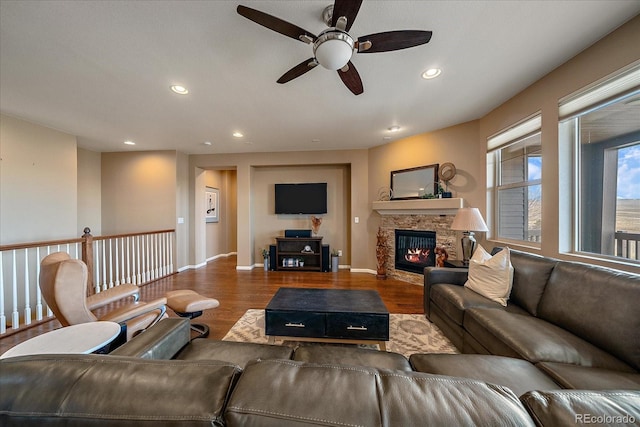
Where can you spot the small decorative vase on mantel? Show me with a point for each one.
(382, 252)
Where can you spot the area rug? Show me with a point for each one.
(408, 333)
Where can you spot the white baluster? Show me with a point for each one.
(128, 261)
(139, 252)
(3, 318)
(104, 265)
(96, 266)
(27, 290)
(110, 264)
(49, 312)
(15, 316)
(156, 247)
(163, 254)
(171, 254)
(38, 291)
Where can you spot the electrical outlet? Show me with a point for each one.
(356, 219)
(339, 253)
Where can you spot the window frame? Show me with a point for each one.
(519, 132)
(612, 89)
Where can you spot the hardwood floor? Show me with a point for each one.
(239, 291)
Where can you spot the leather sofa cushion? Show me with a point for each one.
(597, 304)
(531, 273)
(238, 353)
(583, 407)
(518, 375)
(287, 393)
(534, 339)
(86, 390)
(333, 355)
(453, 300)
(587, 378)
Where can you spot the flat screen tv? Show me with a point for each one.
(308, 198)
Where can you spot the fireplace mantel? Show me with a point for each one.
(419, 206)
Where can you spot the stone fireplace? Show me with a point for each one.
(412, 215)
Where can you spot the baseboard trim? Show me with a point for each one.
(202, 264)
(363, 270)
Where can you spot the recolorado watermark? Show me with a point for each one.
(604, 419)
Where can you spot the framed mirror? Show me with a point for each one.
(414, 183)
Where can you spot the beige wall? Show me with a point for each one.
(335, 223)
(221, 235)
(138, 191)
(182, 210)
(456, 144)
(249, 211)
(38, 183)
(90, 191)
(610, 54)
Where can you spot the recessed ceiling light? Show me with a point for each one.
(237, 135)
(394, 129)
(180, 90)
(207, 143)
(431, 73)
(129, 143)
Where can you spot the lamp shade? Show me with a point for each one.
(469, 219)
(333, 49)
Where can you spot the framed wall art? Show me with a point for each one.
(212, 204)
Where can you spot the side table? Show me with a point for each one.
(82, 338)
(455, 263)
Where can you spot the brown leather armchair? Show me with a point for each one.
(63, 282)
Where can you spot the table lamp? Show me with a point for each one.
(468, 220)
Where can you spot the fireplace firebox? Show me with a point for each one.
(415, 250)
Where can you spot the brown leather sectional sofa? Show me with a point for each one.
(577, 323)
(160, 378)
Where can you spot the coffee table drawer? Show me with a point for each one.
(294, 324)
(358, 326)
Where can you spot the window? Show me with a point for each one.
(514, 177)
(600, 136)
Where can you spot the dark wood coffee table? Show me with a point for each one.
(327, 315)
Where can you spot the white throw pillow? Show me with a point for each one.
(491, 276)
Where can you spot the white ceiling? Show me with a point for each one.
(101, 70)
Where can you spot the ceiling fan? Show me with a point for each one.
(333, 47)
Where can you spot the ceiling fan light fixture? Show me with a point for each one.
(333, 49)
(431, 73)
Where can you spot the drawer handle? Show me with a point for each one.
(356, 328)
(294, 325)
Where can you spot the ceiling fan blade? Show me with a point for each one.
(392, 40)
(351, 79)
(347, 8)
(298, 70)
(276, 24)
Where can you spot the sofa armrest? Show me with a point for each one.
(433, 275)
(161, 341)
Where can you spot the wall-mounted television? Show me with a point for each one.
(307, 198)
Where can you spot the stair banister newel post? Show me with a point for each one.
(87, 257)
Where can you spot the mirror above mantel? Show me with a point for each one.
(419, 206)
